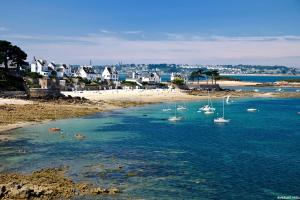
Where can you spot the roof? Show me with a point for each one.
(89, 70)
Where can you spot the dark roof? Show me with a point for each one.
(89, 70)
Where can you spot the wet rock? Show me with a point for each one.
(46, 184)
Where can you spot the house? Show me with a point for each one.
(87, 72)
(184, 77)
(63, 70)
(41, 67)
(144, 77)
(110, 74)
(151, 77)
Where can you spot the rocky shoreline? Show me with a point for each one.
(46, 184)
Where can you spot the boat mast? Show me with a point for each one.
(223, 108)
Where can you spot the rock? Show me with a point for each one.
(97, 191)
(113, 191)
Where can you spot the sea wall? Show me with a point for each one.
(42, 93)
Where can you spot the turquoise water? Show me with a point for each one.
(255, 156)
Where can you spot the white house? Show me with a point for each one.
(110, 74)
(63, 70)
(87, 72)
(178, 75)
(41, 67)
(151, 77)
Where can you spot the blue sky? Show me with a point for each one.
(184, 31)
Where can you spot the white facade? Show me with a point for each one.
(110, 74)
(41, 67)
(88, 73)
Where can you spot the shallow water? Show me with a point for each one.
(255, 156)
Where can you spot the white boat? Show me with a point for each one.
(256, 90)
(209, 112)
(209, 106)
(251, 109)
(227, 99)
(174, 119)
(279, 90)
(297, 90)
(166, 109)
(222, 119)
(181, 108)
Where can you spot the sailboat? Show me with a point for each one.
(222, 119)
(209, 107)
(251, 109)
(227, 99)
(181, 107)
(175, 118)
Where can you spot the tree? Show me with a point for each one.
(193, 75)
(215, 75)
(178, 81)
(208, 74)
(9, 52)
(199, 74)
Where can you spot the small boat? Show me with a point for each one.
(174, 119)
(256, 90)
(251, 109)
(279, 90)
(209, 112)
(298, 113)
(181, 108)
(222, 119)
(239, 90)
(54, 129)
(227, 99)
(166, 109)
(206, 108)
(209, 106)
(298, 90)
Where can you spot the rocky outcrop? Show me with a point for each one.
(46, 184)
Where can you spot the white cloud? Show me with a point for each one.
(131, 32)
(271, 50)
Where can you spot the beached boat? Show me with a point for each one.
(222, 119)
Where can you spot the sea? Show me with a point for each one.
(255, 156)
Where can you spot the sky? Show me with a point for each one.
(264, 32)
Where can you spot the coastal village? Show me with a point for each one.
(172, 100)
